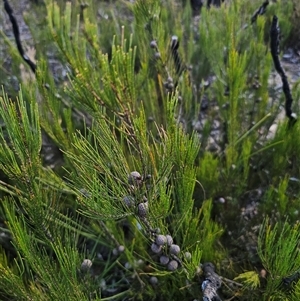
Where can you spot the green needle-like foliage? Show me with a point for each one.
(278, 250)
(160, 134)
(21, 141)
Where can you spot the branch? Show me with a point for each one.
(274, 45)
(196, 6)
(212, 282)
(291, 279)
(209, 3)
(179, 67)
(16, 31)
(31, 64)
(260, 11)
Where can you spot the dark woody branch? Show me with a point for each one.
(16, 32)
(212, 282)
(274, 45)
(260, 11)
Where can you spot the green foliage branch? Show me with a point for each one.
(113, 116)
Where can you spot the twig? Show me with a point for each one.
(260, 11)
(209, 3)
(293, 278)
(231, 281)
(196, 6)
(212, 282)
(16, 31)
(31, 64)
(179, 67)
(274, 45)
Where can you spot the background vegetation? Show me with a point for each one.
(149, 141)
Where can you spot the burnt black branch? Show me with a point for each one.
(291, 279)
(179, 66)
(196, 6)
(212, 282)
(31, 64)
(16, 32)
(274, 45)
(260, 11)
(217, 3)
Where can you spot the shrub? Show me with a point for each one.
(162, 134)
